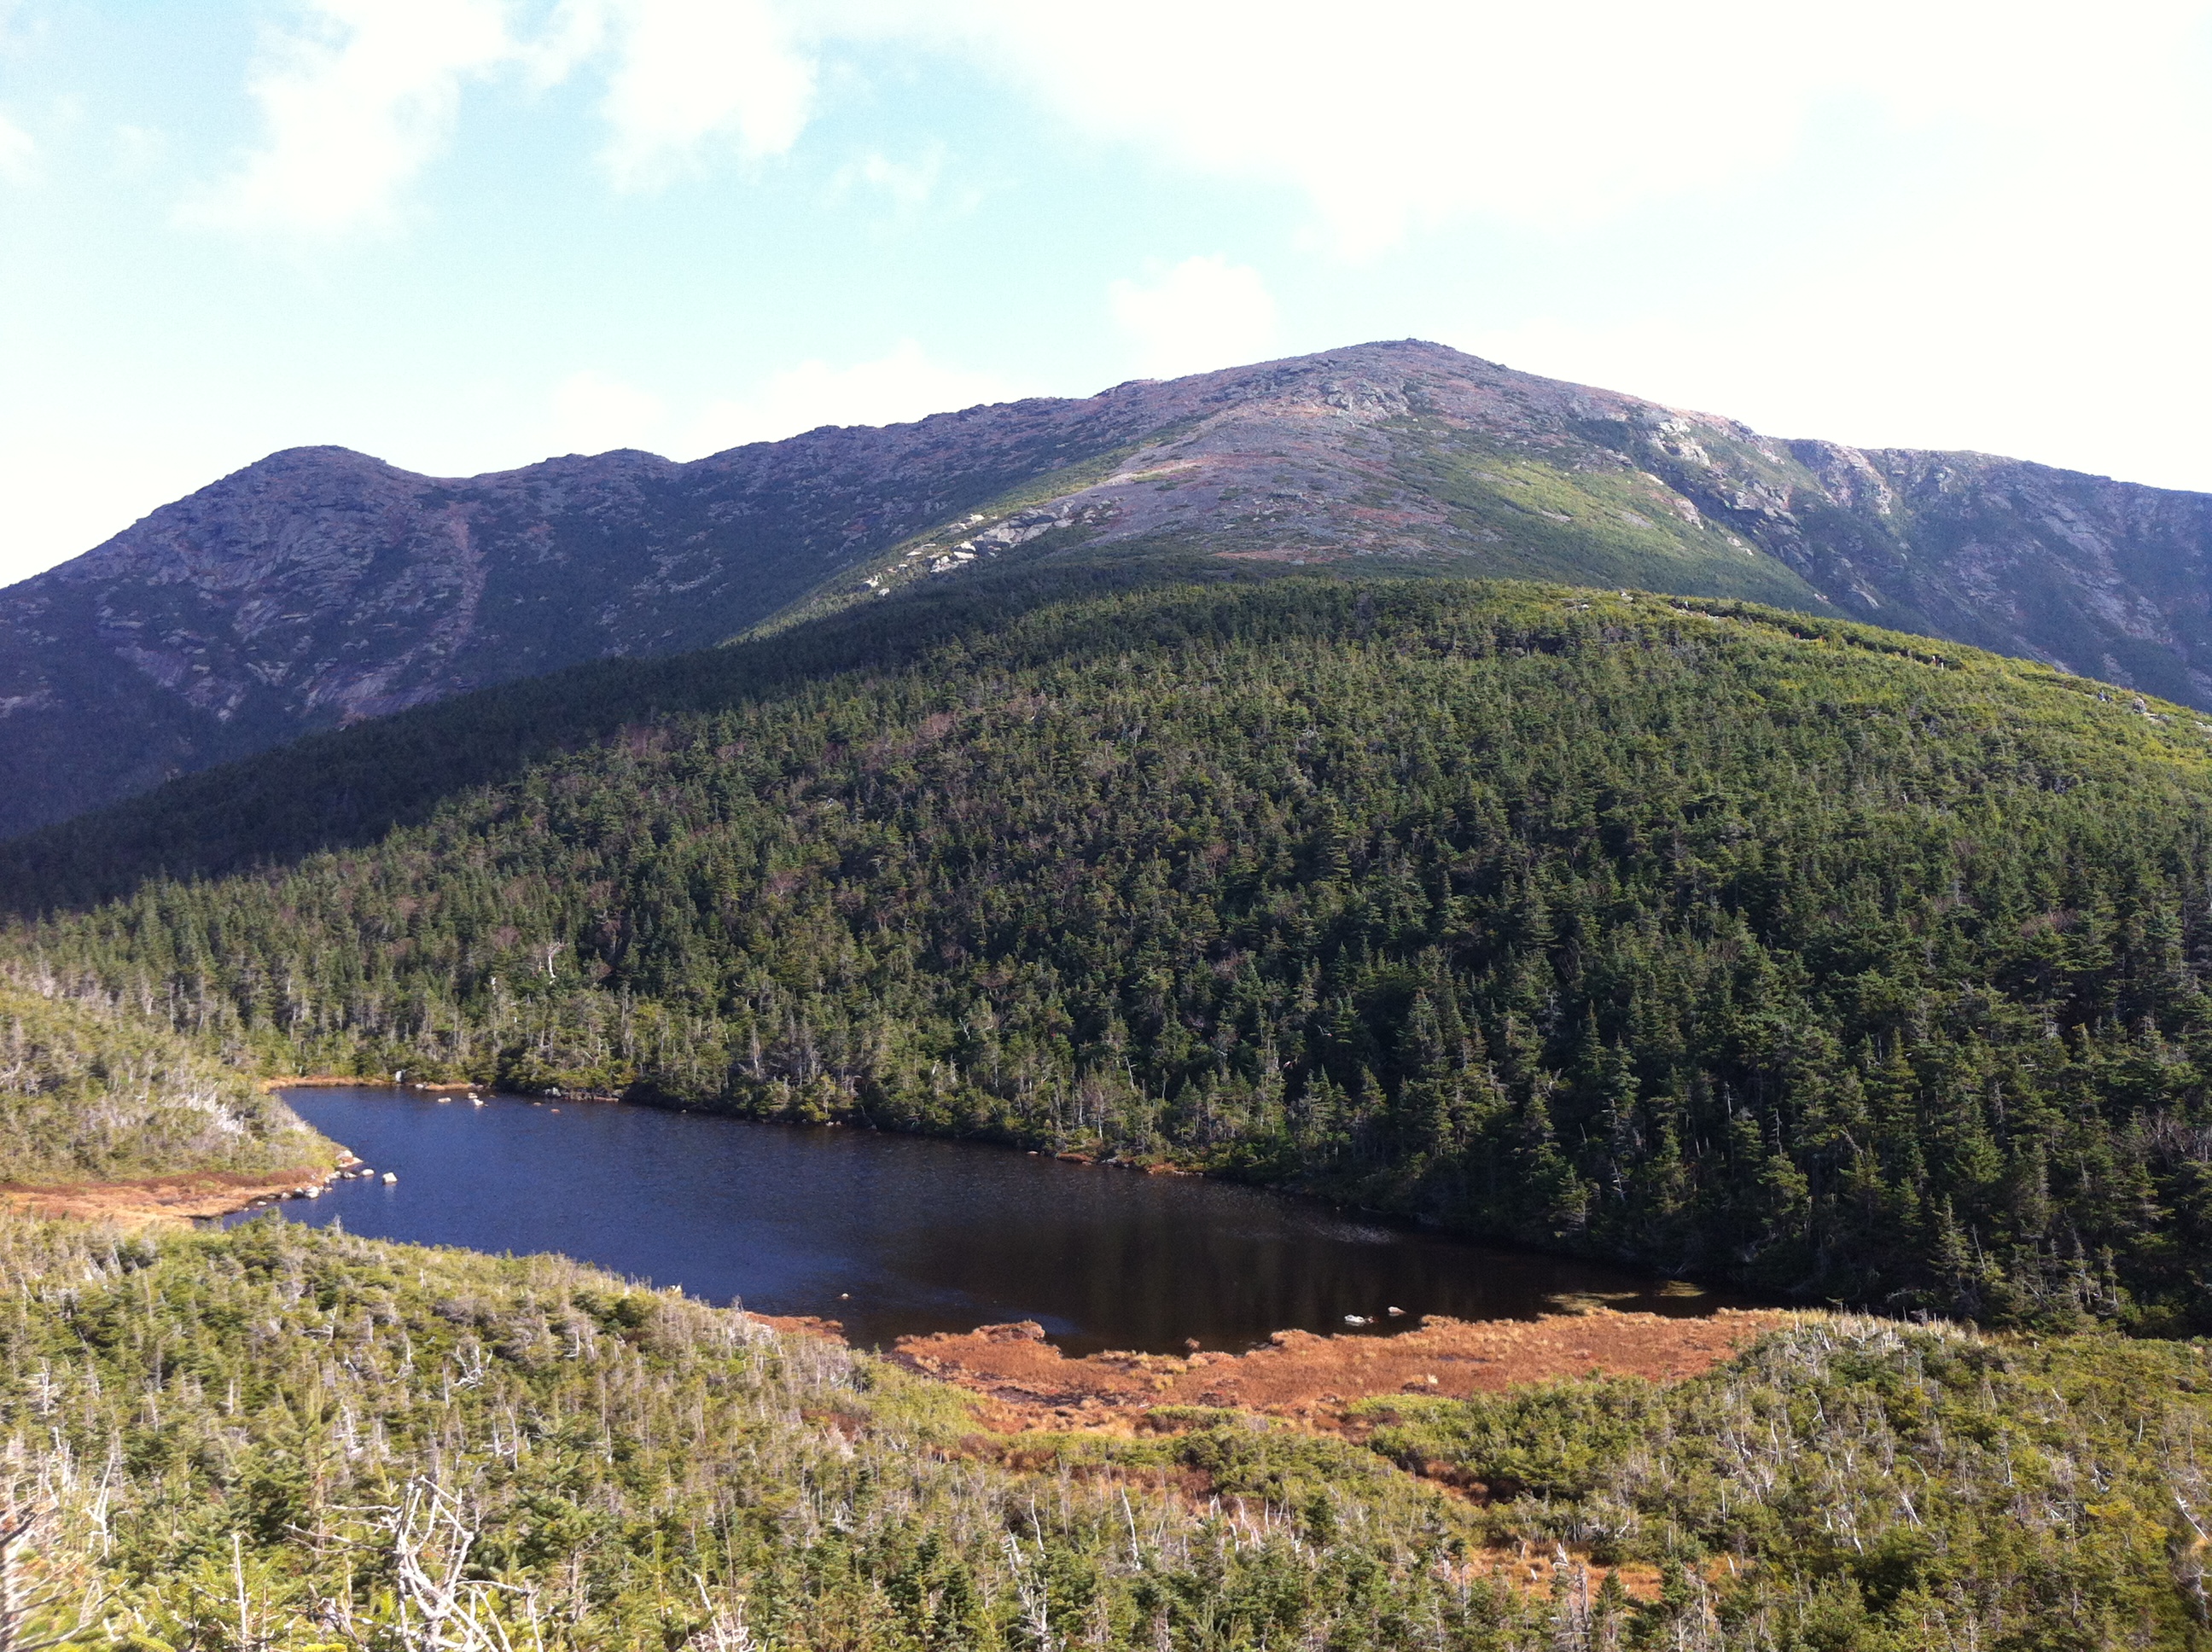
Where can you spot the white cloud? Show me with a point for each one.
(692, 72)
(903, 385)
(138, 150)
(357, 101)
(16, 149)
(1205, 313)
(1383, 118)
(2042, 299)
(359, 95)
(2051, 319)
(908, 185)
(574, 32)
(593, 413)
(1388, 118)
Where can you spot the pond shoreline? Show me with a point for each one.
(1314, 1380)
(178, 1199)
(1404, 1221)
(892, 1234)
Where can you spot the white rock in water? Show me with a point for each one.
(390, 1176)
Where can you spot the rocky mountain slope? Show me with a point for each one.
(321, 586)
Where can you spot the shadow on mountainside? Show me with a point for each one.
(348, 787)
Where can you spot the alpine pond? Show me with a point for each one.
(896, 1235)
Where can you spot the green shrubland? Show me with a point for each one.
(1854, 1483)
(1828, 961)
(91, 1091)
(282, 1436)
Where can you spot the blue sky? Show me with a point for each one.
(465, 234)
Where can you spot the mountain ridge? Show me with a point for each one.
(319, 587)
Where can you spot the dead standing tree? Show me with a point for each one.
(441, 1608)
(22, 1602)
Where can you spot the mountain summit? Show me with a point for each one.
(319, 586)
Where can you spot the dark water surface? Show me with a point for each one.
(899, 1234)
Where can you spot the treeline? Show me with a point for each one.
(1770, 949)
(91, 1092)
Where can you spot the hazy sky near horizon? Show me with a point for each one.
(465, 234)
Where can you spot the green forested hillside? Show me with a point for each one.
(92, 1091)
(348, 787)
(1786, 951)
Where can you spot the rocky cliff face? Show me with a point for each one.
(320, 585)
(2104, 578)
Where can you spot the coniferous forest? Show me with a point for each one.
(883, 995)
(1854, 967)
(1845, 965)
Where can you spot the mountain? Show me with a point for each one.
(1776, 947)
(1689, 933)
(320, 587)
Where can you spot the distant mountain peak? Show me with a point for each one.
(320, 585)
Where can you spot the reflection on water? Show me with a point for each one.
(897, 1235)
